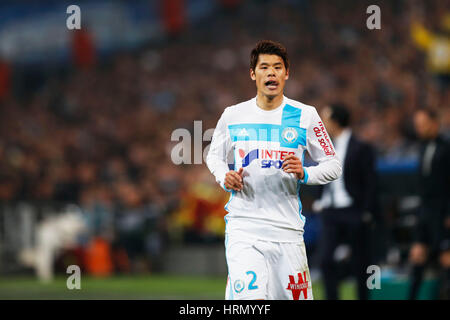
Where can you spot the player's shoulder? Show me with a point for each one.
(300, 105)
(240, 106)
(236, 109)
(306, 109)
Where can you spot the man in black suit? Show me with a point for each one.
(431, 237)
(348, 204)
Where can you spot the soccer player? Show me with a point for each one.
(267, 137)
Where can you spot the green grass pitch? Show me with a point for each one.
(151, 287)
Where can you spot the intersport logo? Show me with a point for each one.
(270, 158)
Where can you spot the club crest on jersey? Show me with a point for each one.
(289, 135)
(239, 286)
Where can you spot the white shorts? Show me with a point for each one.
(267, 270)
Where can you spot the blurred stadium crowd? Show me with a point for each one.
(96, 132)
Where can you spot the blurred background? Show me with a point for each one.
(86, 118)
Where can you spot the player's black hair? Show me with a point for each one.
(340, 114)
(268, 47)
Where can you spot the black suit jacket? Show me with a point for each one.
(359, 174)
(434, 186)
(434, 191)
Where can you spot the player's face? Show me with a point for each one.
(270, 75)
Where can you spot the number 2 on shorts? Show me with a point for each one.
(251, 285)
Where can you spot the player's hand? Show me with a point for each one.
(292, 164)
(233, 180)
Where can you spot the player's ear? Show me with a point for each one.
(252, 74)
(287, 74)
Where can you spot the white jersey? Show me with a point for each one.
(268, 207)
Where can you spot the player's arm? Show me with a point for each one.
(216, 159)
(321, 150)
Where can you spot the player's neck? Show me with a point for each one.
(268, 103)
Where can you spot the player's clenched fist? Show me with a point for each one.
(233, 180)
(292, 164)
